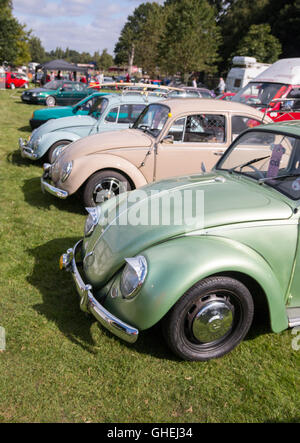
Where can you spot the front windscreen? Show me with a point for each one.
(269, 158)
(152, 119)
(258, 94)
(98, 107)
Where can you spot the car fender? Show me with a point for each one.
(176, 265)
(50, 138)
(86, 166)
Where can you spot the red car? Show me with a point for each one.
(14, 80)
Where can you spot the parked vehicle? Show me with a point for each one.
(108, 113)
(189, 91)
(61, 92)
(14, 80)
(269, 90)
(83, 107)
(202, 277)
(244, 70)
(169, 138)
(226, 96)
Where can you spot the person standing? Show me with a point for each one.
(221, 86)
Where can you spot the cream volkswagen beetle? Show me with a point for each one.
(170, 138)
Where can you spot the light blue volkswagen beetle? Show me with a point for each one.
(108, 113)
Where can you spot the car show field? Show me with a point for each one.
(60, 365)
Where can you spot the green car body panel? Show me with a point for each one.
(235, 237)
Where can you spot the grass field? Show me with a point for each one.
(61, 366)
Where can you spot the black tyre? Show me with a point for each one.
(56, 145)
(103, 185)
(50, 101)
(210, 319)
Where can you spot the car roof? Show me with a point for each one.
(289, 127)
(132, 98)
(208, 104)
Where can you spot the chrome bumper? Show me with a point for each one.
(46, 186)
(26, 151)
(88, 302)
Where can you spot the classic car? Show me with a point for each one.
(83, 107)
(108, 113)
(61, 92)
(170, 138)
(203, 276)
(14, 80)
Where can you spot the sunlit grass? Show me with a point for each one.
(61, 366)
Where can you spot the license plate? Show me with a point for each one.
(25, 98)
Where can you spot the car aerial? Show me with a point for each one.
(108, 113)
(83, 107)
(14, 80)
(169, 138)
(205, 275)
(61, 92)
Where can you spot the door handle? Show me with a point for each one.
(218, 153)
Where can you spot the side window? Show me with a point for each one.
(112, 115)
(67, 87)
(205, 128)
(240, 123)
(124, 114)
(136, 110)
(177, 129)
(293, 104)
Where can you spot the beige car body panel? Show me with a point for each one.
(144, 159)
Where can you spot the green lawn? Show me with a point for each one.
(61, 366)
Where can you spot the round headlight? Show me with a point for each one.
(92, 220)
(56, 153)
(66, 171)
(133, 276)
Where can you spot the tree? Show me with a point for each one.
(37, 52)
(260, 43)
(105, 60)
(191, 38)
(138, 39)
(13, 37)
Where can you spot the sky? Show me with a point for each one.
(82, 25)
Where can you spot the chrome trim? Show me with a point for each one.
(45, 186)
(88, 302)
(26, 151)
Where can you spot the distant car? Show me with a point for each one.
(83, 107)
(14, 80)
(189, 91)
(61, 92)
(204, 275)
(170, 138)
(226, 96)
(108, 113)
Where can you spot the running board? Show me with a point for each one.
(293, 317)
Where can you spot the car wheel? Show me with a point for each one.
(210, 319)
(104, 185)
(55, 146)
(50, 101)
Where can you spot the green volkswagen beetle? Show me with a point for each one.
(200, 253)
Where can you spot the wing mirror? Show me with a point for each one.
(168, 139)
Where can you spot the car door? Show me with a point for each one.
(64, 93)
(190, 141)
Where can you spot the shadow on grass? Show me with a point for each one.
(16, 159)
(35, 197)
(61, 303)
(25, 129)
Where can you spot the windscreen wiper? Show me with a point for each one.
(278, 177)
(250, 162)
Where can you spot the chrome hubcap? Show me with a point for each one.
(106, 189)
(213, 321)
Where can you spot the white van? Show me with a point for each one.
(244, 70)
